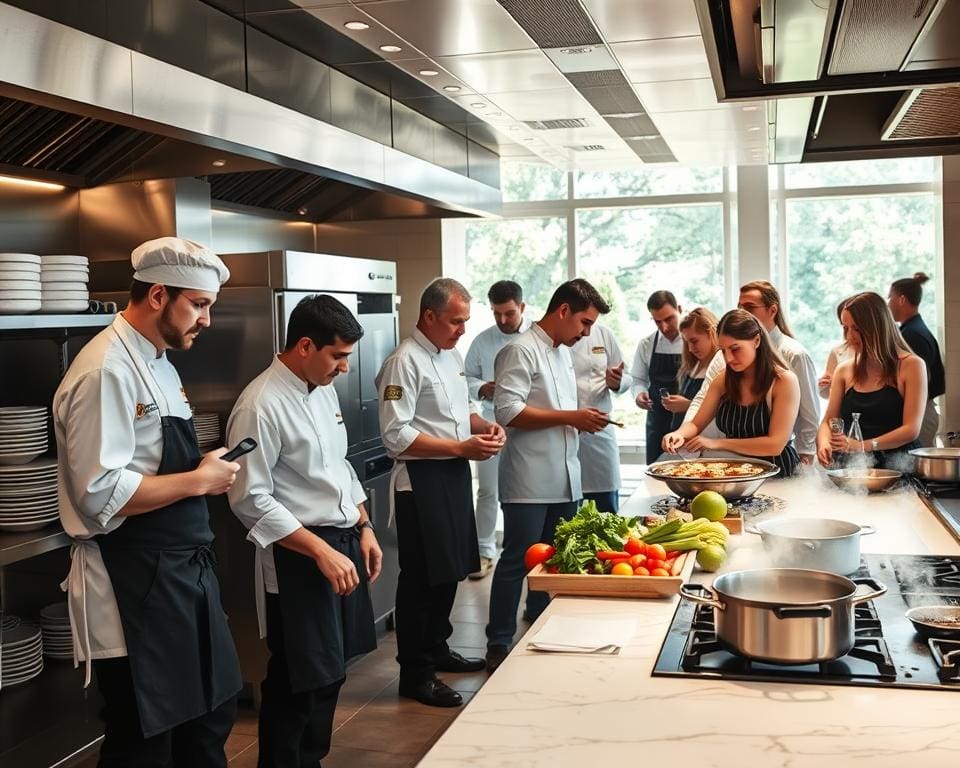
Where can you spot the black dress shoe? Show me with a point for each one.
(454, 662)
(495, 656)
(433, 693)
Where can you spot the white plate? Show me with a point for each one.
(19, 271)
(15, 284)
(23, 656)
(31, 506)
(43, 466)
(22, 411)
(47, 296)
(19, 459)
(64, 306)
(64, 276)
(23, 527)
(7, 441)
(29, 258)
(18, 307)
(28, 494)
(73, 261)
(24, 633)
(65, 285)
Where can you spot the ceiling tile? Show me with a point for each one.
(552, 104)
(678, 95)
(681, 58)
(620, 20)
(502, 72)
(451, 27)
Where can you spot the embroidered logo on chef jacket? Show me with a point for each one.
(392, 392)
(339, 418)
(598, 350)
(143, 410)
(184, 393)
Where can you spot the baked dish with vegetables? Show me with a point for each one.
(712, 470)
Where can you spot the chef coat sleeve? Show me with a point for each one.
(251, 496)
(713, 370)
(473, 370)
(398, 390)
(808, 418)
(614, 358)
(640, 370)
(98, 424)
(513, 372)
(356, 490)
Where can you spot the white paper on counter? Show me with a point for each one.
(575, 634)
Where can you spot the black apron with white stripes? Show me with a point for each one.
(744, 421)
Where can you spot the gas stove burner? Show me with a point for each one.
(751, 506)
(929, 572)
(934, 487)
(947, 655)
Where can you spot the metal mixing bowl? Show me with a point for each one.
(731, 488)
(870, 480)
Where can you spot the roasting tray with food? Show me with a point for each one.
(731, 478)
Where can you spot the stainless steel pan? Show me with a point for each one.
(814, 543)
(941, 465)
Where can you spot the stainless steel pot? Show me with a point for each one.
(815, 543)
(731, 488)
(785, 615)
(941, 465)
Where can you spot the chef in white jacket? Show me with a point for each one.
(598, 364)
(316, 550)
(143, 597)
(506, 303)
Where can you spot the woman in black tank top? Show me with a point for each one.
(755, 399)
(884, 382)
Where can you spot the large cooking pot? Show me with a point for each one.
(941, 465)
(815, 543)
(785, 615)
(731, 488)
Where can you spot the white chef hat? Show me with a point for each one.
(179, 263)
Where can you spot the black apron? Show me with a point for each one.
(182, 657)
(662, 370)
(689, 388)
(322, 630)
(443, 495)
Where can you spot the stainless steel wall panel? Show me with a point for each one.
(412, 132)
(483, 165)
(39, 220)
(450, 149)
(234, 232)
(358, 108)
(441, 183)
(86, 15)
(286, 76)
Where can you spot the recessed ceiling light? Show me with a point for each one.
(753, 128)
(750, 108)
(429, 72)
(358, 25)
(451, 88)
(302, 210)
(478, 105)
(391, 48)
(218, 163)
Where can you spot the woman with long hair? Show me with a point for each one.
(837, 355)
(755, 399)
(699, 332)
(885, 382)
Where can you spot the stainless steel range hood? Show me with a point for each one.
(128, 102)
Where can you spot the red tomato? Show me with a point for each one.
(536, 554)
(620, 560)
(634, 546)
(641, 571)
(659, 572)
(637, 560)
(656, 552)
(672, 555)
(654, 564)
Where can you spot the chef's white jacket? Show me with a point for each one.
(799, 361)
(537, 466)
(640, 370)
(422, 389)
(106, 417)
(298, 475)
(599, 452)
(478, 364)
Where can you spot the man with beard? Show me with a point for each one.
(144, 599)
(316, 547)
(506, 303)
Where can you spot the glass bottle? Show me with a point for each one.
(855, 435)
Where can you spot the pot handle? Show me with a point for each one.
(751, 528)
(878, 588)
(866, 530)
(803, 612)
(691, 592)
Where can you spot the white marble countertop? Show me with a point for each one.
(558, 710)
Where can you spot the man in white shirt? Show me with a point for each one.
(316, 547)
(656, 363)
(762, 300)
(506, 303)
(598, 365)
(536, 399)
(143, 597)
(428, 428)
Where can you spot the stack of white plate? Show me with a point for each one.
(21, 654)
(19, 283)
(208, 428)
(57, 636)
(64, 283)
(9, 621)
(28, 496)
(23, 433)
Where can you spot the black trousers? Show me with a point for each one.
(423, 610)
(295, 729)
(197, 743)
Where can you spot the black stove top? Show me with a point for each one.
(943, 499)
(887, 651)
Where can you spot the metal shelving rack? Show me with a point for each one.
(50, 720)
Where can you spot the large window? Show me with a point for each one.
(664, 180)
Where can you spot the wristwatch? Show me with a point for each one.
(365, 524)
(874, 445)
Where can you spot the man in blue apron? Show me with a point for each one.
(429, 429)
(144, 599)
(316, 548)
(655, 366)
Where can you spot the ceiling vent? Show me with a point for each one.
(879, 35)
(586, 147)
(927, 113)
(553, 23)
(555, 125)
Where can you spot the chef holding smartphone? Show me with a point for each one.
(316, 550)
(143, 596)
